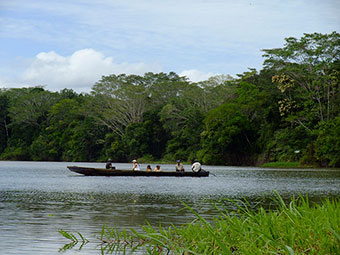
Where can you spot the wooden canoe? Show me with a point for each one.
(116, 172)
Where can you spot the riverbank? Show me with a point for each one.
(299, 227)
(280, 164)
(151, 161)
(276, 164)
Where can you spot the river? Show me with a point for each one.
(39, 198)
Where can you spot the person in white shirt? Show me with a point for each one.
(179, 166)
(135, 165)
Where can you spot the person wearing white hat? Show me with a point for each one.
(196, 166)
(108, 164)
(135, 165)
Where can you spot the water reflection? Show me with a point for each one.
(38, 199)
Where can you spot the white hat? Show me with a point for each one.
(134, 161)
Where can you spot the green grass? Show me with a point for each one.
(299, 227)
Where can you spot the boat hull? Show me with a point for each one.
(88, 171)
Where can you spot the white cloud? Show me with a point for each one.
(196, 75)
(82, 69)
(4, 83)
(79, 71)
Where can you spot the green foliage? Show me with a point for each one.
(226, 135)
(289, 144)
(297, 226)
(138, 140)
(114, 148)
(231, 131)
(327, 144)
(74, 240)
(291, 105)
(29, 107)
(183, 115)
(307, 77)
(18, 152)
(185, 139)
(146, 138)
(4, 120)
(70, 136)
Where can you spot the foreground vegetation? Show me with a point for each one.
(288, 112)
(299, 227)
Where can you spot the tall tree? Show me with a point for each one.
(70, 135)
(306, 77)
(29, 107)
(28, 112)
(119, 100)
(183, 114)
(230, 134)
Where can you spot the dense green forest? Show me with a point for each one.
(288, 111)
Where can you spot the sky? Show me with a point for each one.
(73, 43)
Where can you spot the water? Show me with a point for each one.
(39, 198)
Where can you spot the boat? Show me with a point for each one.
(89, 171)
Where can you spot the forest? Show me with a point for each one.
(289, 111)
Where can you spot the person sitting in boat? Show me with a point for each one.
(108, 164)
(179, 166)
(135, 165)
(158, 168)
(148, 168)
(196, 166)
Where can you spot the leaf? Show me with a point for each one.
(290, 250)
(68, 235)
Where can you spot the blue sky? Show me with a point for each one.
(71, 44)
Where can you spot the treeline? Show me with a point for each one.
(288, 111)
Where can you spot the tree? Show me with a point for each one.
(4, 120)
(183, 114)
(225, 139)
(70, 135)
(29, 107)
(306, 77)
(163, 87)
(27, 112)
(327, 144)
(129, 106)
(237, 131)
(119, 101)
(147, 138)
